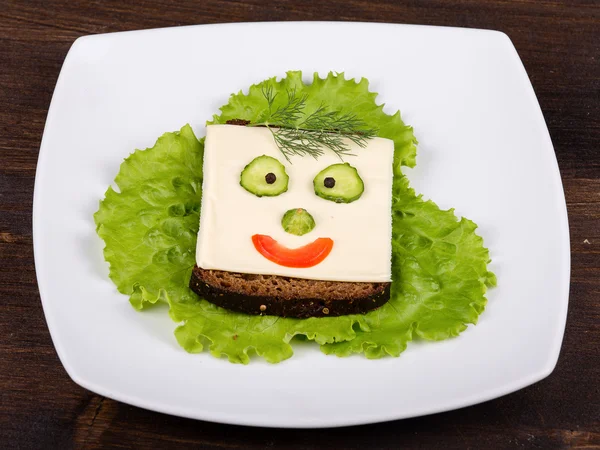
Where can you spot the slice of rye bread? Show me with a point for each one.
(285, 296)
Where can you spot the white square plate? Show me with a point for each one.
(484, 149)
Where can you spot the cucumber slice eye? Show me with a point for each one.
(339, 183)
(264, 176)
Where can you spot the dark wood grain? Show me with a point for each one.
(40, 407)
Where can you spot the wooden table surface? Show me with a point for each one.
(40, 407)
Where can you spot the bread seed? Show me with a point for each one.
(325, 310)
(263, 307)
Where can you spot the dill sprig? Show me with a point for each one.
(298, 133)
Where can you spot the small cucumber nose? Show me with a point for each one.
(297, 221)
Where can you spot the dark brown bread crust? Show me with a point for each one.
(285, 296)
(241, 122)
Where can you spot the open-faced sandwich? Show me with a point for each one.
(295, 237)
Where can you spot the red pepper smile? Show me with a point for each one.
(306, 256)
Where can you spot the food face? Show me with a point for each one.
(323, 219)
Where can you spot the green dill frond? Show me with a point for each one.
(298, 133)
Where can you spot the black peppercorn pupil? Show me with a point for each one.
(329, 182)
(270, 178)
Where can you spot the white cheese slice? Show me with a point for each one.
(230, 215)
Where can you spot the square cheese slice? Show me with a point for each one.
(230, 216)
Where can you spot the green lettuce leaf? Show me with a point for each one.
(150, 226)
